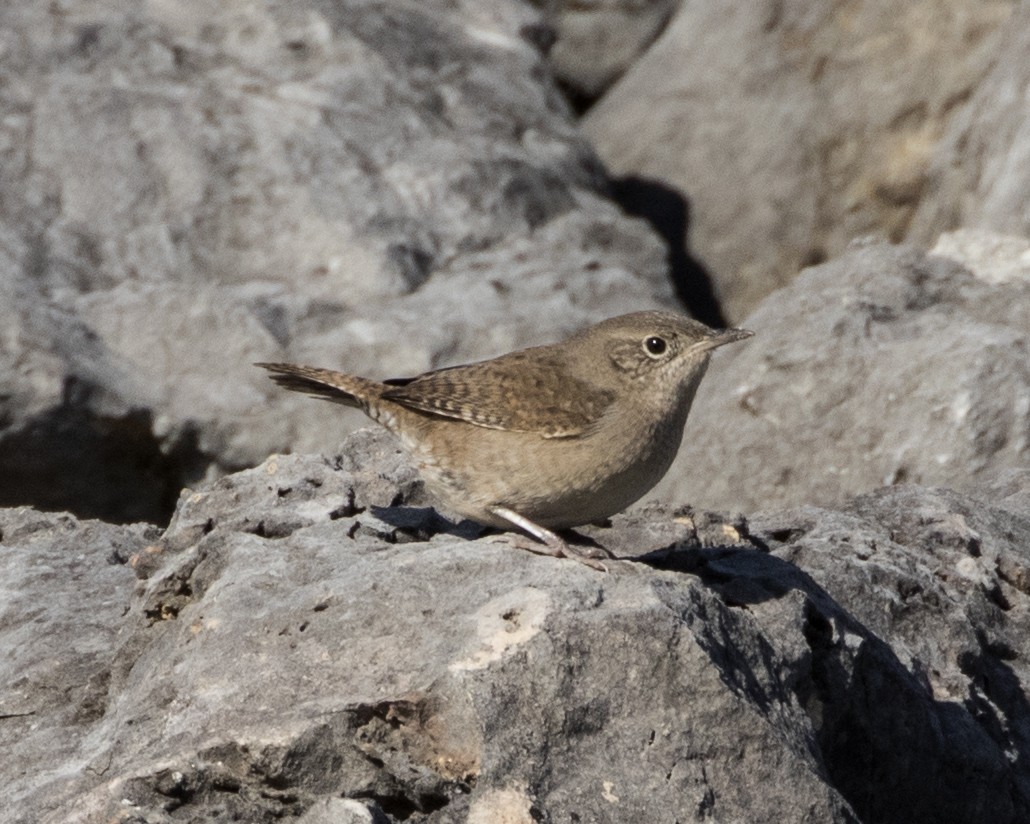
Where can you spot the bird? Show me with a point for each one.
(546, 438)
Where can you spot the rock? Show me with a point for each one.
(342, 811)
(1010, 490)
(941, 578)
(978, 174)
(885, 366)
(76, 426)
(301, 649)
(791, 128)
(66, 588)
(991, 257)
(383, 187)
(596, 41)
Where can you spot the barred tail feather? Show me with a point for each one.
(323, 383)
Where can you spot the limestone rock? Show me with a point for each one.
(185, 189)
(884, 366)
(308, 639)
(65, 589)
(978, 176)
(793, 127)
(596, 41)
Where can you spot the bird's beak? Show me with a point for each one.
(720, 337)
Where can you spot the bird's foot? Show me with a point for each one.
(547, 542)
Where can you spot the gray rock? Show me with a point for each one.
(385, 187)
(298, 648)
(993, 258)
(65, 589)
(342, 811)
(1010, 490)
(979, 176)
(791, 128)
(885, 366)
(941, 578)
(596, 41)
(75, 423)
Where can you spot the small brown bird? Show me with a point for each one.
(544, 438)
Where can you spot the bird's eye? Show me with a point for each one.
(655, 346)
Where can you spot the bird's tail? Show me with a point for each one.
(338, 387)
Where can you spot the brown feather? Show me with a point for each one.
(323, 383)
(527, 391)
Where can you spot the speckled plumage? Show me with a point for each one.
(553, 436)
(528, 391)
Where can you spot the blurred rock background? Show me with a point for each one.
(189, 188)
(387, 187)
(793, 127)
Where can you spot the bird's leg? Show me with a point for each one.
(547, 542)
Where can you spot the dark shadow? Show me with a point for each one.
(114, 469)
(668, 211)
(427, 522)
(893, 751)
(740, 576)
(997, 687)
(575, 538)
(580, 101)
(423, 522)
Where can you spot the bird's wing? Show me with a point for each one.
(527, 391)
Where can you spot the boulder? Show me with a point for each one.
(596, 41)
(791, 128)
(884, 366)
(979, 174)
(309, 639)
(379, 187)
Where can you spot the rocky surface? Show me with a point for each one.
(187, 189)
(308, 639)
(790, 128)
(596, 41)
(884, 366)
(392, 186)
(980, 172)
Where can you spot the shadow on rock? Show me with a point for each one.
(888, 746)
(423, 522)
(668, 211)
(112, 468)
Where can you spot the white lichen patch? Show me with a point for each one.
(501, 807)
(504, 624)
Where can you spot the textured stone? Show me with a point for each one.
(991, 257)
(296, 647)
(596, 41)
(65, 589)
(188, 188)
(885, 366)
(940, 578)
(792, 127)
(980, 171)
